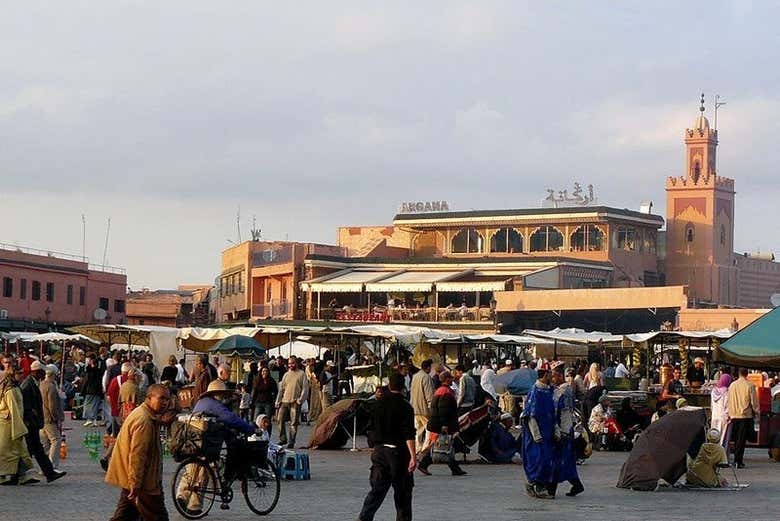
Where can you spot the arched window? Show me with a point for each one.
(506, 240)
(626, 238)
(690, 235)
(546, 238)
(587, 238)
(467, 240)
(696, 171)
(651, 242)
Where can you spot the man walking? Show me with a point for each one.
(393, 456)
(743, 406)
(564, 451)
(539, 430)
(204, 374)
(466, 390)
(34, 421)
(53, 415)
(293, 390)
(422, 396)
(92, 390)
(136, 463)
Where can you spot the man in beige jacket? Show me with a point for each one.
(293, 390)
(136, 462)
(421, 398)
(53, 415)
(743, 406)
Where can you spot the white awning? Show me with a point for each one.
(472, 285)
(350, 282)
(412, 281)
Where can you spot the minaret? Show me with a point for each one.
(700, 221)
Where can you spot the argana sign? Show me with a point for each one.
(425, 206)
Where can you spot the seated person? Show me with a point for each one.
(626, 416)
(215, 403)
(499, 445)
(703, 470)
(263, 423)
(598, 416)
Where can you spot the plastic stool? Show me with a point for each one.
(295, 466)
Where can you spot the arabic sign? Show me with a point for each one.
(424, 206)
(577, 197)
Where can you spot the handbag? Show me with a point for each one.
(441, 449)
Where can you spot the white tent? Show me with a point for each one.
(299, 348)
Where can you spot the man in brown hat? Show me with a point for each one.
(136, 462)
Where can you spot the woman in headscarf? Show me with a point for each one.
(720, 407)
(15, 461)
(486, 381)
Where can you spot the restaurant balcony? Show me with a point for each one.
(273, 308)
(382, 314)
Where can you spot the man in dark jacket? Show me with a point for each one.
(206, 374)
(93, 389)
(443, 420)
(33, 420)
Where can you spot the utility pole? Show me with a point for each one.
(718, 104)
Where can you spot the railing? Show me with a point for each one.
(274, 308)
(63, 256)
(381, 314)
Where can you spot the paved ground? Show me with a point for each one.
(490, 492)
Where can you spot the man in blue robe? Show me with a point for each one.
(564, 451)
(539, 433)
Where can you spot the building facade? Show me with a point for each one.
(187, 305)
(41, 289)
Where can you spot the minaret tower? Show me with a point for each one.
(700, 221)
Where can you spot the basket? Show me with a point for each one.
(193, 435)
(257, 452)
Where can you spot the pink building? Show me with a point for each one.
(40, 288)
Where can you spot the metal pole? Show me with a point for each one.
(354, 434)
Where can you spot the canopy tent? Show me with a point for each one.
(296, 348)
(59, 337)
(757, 346)
(238, 346)
(127, 347)
(16, 336)
(161, 341)
(576, 336)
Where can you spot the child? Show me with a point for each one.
(246, 400)
(275, 451)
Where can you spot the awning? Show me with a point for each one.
(472, 285)
(412, 281)
(351, 281)
(756, 346)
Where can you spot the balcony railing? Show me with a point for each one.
(63, 256)
(381, 314)
(274, 308)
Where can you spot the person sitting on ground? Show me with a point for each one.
(598, 416)
(500, 445)
(626, 416)
(703, 470)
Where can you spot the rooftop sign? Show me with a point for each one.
(424, 207)
(577, 197)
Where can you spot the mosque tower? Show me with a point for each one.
(700, 222)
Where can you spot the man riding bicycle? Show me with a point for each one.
(215, 402)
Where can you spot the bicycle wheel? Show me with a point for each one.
(261, 488)
(194, 488)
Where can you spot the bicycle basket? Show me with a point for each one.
(196, 435)
(257, 452)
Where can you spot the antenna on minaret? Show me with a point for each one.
(255, 231)
(718, 104)
(238, 223)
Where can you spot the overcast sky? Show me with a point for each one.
(168, 116)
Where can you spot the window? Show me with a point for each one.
(268, 292)
(232, 284)
(23, 289)
(241, 282)
(82, 295)
(546, 238)
(49, 292)
(69, 295)
(36, 290)
(467, 240)
(506, 240)
(689, 233)
(722, 234)
(119, 306)
(587, 238)
(103, 303)
(284, 291)
(651, 242)
(8, 287)
(625, 238)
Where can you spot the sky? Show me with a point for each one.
(167, 117)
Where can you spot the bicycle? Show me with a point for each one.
(197, 482)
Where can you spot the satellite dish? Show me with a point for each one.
(775, 300)
(99, 314)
